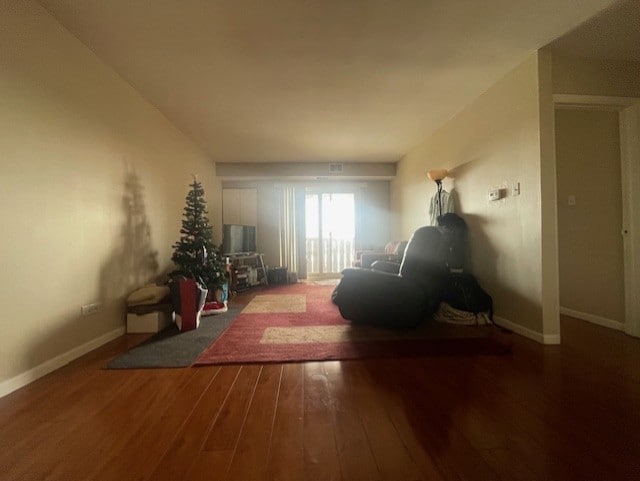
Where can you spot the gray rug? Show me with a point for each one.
(172, 348)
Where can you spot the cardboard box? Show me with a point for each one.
(151, 322)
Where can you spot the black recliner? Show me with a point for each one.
(406, 298)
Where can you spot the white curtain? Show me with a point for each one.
(288, 233)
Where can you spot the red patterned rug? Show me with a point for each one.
(300, 323)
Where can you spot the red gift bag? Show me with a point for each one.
(188, 297)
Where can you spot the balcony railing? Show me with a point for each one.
(329, 256)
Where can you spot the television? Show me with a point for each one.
(237, 239)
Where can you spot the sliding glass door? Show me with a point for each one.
(330, 233)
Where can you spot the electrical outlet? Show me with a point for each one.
(495, 194)
(89, 309)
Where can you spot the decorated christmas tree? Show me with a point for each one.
(194, 254)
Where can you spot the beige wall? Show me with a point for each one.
(267, 220)
(91, 193)
(584, 76)
(548, 204)
(495, 142)
(590, 244)
(373, 221)
(304, 170)
(240, 206)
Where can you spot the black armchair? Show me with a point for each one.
(403, 299)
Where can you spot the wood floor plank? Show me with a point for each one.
(156, 432)
(564, 426)
(190, 438)
(354, 450)
(401, 417)
(557, 413)
(286, 459)
(226, 429)
(320, 451)
(122, 419)
(392, 457)
(87, 390)
(251, 455)
(214, 460)
(210, 465)
(481, 422)
(87, 411)
(432, 420)
(76, 375)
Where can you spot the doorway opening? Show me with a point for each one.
(589, 197)
(628, 112)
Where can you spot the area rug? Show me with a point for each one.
(300, 323)
(172, 348)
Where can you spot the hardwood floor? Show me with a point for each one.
(569, 412)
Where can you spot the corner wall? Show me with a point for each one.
(91, 194)
(493, 143)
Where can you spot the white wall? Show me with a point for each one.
(494, 142)
(91, 193)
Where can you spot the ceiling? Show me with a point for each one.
(613, 34)
(314, 80)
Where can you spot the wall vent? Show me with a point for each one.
(335, 168)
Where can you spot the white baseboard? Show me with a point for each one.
(526, 332)
(601, 321)
(57, 362)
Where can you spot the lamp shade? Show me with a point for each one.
(437, 174)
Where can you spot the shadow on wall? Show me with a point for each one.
(482, 262)
(131, 264)
(481, 255)
(134, 262)
(454, 198)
